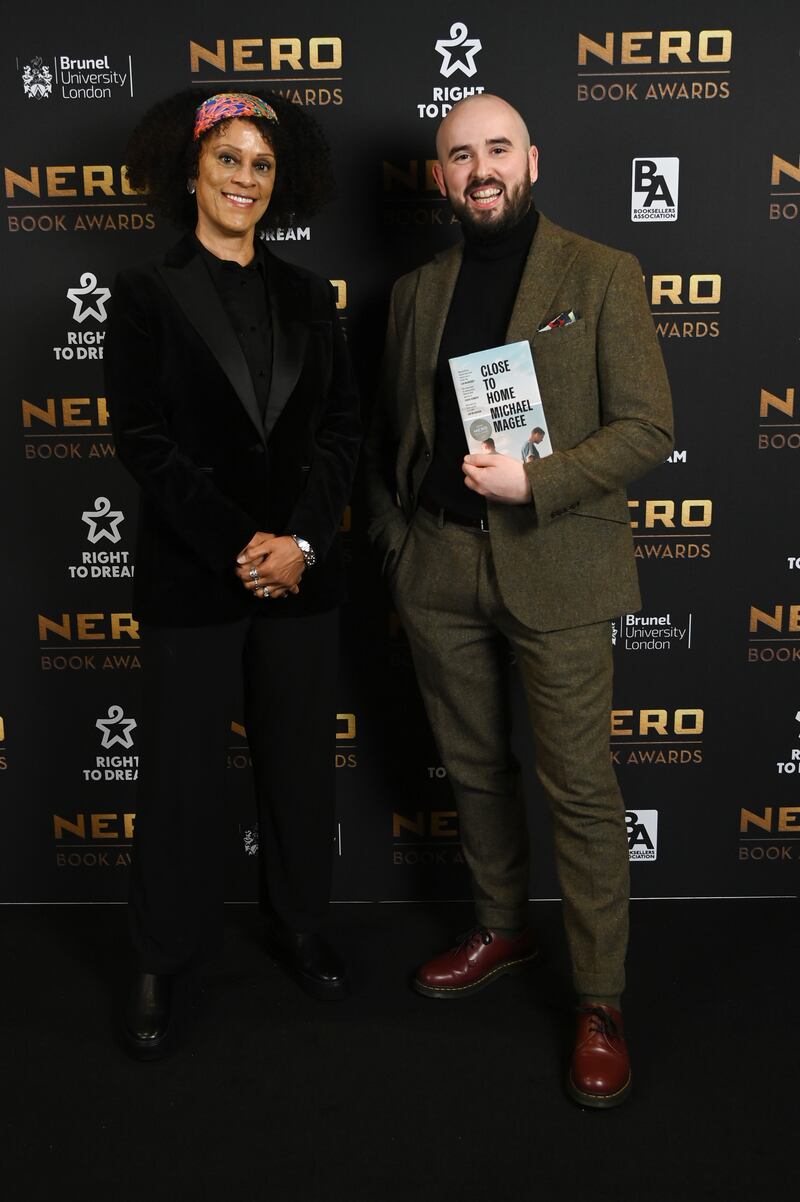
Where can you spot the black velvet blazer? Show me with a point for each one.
(187, 426)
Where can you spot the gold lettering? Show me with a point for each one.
(631, 43)
(98, 179)
(675, 43)
(400, 823)
(762, 617)
(48, 415)
(617, 719)
(78, 827)
(704, 55)
(198, 54)
(779, 167)
(349, 731)
(770, 401)
(290, 55)
(99, 826)
(13, 180)
(316, 60)
(440, 824)
(56, 181)
(747, 819)
(602, 50)
(51, 626)
(243, 55)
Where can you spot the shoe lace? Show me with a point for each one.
(472, 939)
(601, 1021)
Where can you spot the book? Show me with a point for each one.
(501, 406)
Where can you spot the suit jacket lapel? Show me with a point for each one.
(551, 253)
(289, 337)
(192, 287)
(437, 281)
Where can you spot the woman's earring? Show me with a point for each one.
(190, 188)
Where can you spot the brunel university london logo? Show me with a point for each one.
(37, 79)
(88, 300)
(307, 71)
(642, 827)
(100, 77)
(457, 52)
(655, 65)
(653, 633)
(654, 189)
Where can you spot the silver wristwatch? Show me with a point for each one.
(307, 549)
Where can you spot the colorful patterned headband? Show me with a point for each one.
(226, 105)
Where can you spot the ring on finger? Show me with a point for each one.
(254, 574)
(265, 592)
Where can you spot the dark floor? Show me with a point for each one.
(272, 1095)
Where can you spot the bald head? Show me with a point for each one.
(474, 112)
(486, 165)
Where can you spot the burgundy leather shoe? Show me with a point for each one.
(600, 1074)
(480, 957)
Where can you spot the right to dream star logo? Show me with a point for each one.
(458, 53)
(654, 189)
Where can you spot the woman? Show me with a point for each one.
(233, 406)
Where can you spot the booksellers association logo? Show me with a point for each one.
(654, 190)
(642, 835)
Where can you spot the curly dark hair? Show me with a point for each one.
(162, 156)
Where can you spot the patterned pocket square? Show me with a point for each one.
(564, 319)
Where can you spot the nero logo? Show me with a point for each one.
(654, 190)
(642, 826)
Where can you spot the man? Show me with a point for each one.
(450, 528)
(530, 447)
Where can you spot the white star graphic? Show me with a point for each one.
(116, 717)
(103, 512)
(470, 47)
(89, 287)
(797, 719)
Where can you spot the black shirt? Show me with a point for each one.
(243, 293)
(478, 319)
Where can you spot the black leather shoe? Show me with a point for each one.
(311, 962)
(148, 1016)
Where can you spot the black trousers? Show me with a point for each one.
(193, 679)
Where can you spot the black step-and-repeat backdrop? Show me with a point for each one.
(670, 132)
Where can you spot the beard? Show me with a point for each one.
(488, 226)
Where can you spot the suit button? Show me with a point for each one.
(427, 454)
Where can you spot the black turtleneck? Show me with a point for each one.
(478, 318)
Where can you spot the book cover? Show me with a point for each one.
(500, 402)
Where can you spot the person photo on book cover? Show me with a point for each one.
(531, 443)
